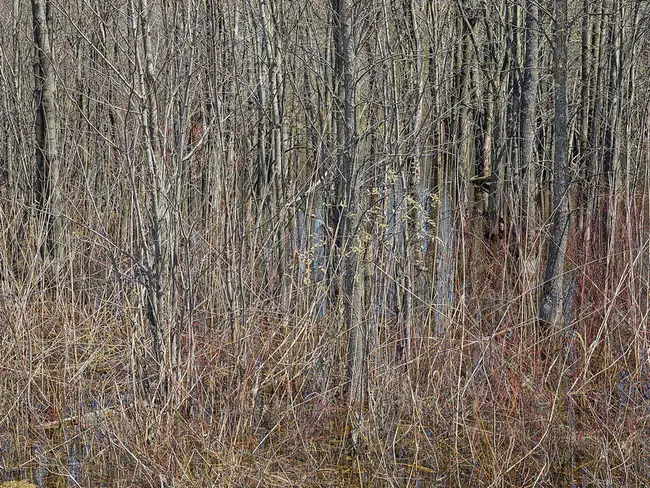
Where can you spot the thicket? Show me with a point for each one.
(301, 243)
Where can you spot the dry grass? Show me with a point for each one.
(462, 388)
(486, 404)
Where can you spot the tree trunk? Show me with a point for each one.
(353, 285)
(528, 109)
(528, 262)
(551, 301)
(46, 129)
(161, 254)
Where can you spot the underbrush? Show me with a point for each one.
(488, 403)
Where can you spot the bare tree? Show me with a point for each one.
(351, 178)
(46, 128)
(161, 288)
(302, 217)
(528, 110)
(552, 294)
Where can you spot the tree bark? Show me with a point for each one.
(46, 129)
(161, 290)
(551, 301)
(528, 109)
(353, 285)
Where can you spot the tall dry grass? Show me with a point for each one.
(489, 402)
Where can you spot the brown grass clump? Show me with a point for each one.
(479, 404)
